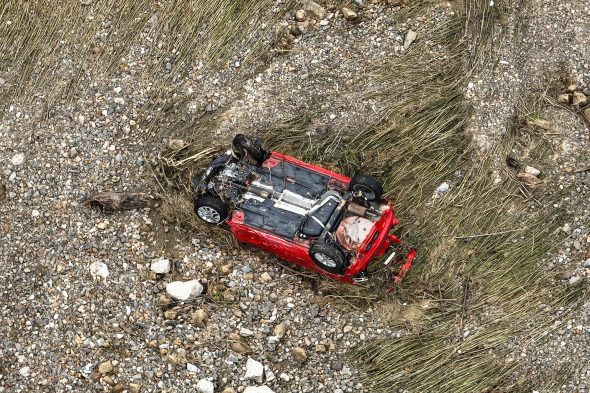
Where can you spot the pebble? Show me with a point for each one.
(586, 263)
(265, 277)
(254, 370)
(444, 187)
(184, 290)
(411, 36)
(205, 386)
(18, 159)
(191, 368)
(199, 318)
(246, 332)
(348, 13)
(574, 280)
(258, 389)
(160, 266)
(299, 354)
(532, 170)
(105, 367)
(280, 330)
(99, 269)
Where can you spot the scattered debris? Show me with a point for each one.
(111, 201)
(529, 179)
(532, 170)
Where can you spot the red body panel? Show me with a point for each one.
(297, 250)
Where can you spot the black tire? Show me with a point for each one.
(244, 145)
(327, 257)
(211, 210)
(366, 187)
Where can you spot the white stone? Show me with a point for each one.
(99, 269)
(258, 389)
(205, 386)
(587, 263)
(254, 370)
(35, 213)
(285, 377)
(410, 37)
(444, 187)
(246, 332)
(184, 290)
(192, 368)
(161, 266)
(575, 280)
(532, 170)
(25, 371)
(17, 159)
(119, 100)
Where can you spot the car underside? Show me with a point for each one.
(307, 214)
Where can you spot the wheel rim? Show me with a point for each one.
(209, 214)
(325, 260)
(364, 191)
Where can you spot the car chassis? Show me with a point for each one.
(324, 221)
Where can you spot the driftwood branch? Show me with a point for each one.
(111, 201)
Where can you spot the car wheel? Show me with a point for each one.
(211, 210)
(244, 145)
(366, 187)
(327, 257)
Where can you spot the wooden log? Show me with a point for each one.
(111, 201)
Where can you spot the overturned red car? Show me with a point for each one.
(305, 214)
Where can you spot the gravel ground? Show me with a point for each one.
(68, 326)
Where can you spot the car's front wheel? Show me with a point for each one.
(211, 210)
(327, 257)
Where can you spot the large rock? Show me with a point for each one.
(205, 386)
(258, 389)
(314, 10)
(184, 290)
(254, 370)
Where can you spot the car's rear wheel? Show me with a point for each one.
(211, 210)
(244, 145)
(327, 257)
(366, 187)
